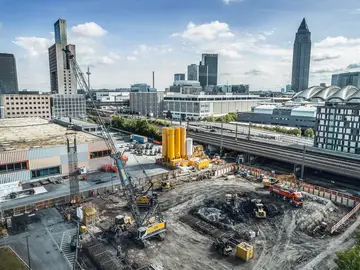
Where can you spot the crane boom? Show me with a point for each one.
(116, 155)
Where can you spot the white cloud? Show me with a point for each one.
(268, 33)
(208, 31)
(334, 41)
(89, 29)
(227, 2)
(135, 52)
(131, 58)
(33, 45)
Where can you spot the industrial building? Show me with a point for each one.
(146, 103)
(278, 115)
(195, 106)
(141, 87)
(68, 106)
(8, 74)
(186, 87)
(62, 79)
(34, 148)
(113, 96)
(25, 105)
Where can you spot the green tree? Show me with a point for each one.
(309, 132)
(348, 259)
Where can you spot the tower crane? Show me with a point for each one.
(151, 224)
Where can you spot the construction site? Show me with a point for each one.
(176, 210)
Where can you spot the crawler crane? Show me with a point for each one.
(149, 225)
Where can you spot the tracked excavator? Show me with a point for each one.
(145, 226)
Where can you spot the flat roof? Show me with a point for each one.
(26, 133)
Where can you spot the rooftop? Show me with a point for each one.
(26, 133)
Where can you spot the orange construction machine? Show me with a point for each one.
(294, 197)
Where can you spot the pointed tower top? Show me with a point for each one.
(303, 26)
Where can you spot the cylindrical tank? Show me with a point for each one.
(189, 147)
(177, 142)
(164, 142)
(170, 143)
(183, 142)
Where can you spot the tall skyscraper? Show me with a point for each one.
(179, 77)
(301, 58)
(208, 70)
(192, 72)
(8, 74)
(62, 79)
(345, 79)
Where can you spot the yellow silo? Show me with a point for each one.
(164, 142)
(177, 143)
(170, 144)
(183, 142)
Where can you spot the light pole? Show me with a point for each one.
(249, 131)
(221, 142)
(28, 250)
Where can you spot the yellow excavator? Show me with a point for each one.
(259, 210)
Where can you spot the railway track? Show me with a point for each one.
(333, 164)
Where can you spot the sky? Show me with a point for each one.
(123, 41)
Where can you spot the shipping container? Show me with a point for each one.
(244, 251)
(138, 138)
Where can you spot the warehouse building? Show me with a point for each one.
(196, 106)
(33, 149)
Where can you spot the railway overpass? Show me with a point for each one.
(338, 163)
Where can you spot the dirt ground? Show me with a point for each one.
(289, 240)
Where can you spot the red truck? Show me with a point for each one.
(295, 198)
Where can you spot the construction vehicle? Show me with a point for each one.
(268, 181)
(222, 246)
(259, 210)
(159, 185)
(294, 197)
(145, 226)
(147, 200)
(15, 194)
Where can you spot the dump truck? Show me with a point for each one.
(294, 197)
(222, 246)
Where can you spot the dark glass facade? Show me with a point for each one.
(301, 58)
(208, 70)
(8, 74)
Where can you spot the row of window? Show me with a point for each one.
(26, 103)
(13, 167)
(25, 98)
(99, 154)
(45, 172)
(26, 108)
(36, 112)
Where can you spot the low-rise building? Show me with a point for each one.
(24, 105)
(73, 106)
(33, 149)
(141, 87)
(196, 106)
(186, 87)
(146, 103)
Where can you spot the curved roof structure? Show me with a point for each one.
(332, 93)
(308, 93)
(325, 93)
(343, 93)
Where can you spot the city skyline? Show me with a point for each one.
(256, 52)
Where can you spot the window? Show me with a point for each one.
(13, 167)
(45, 172)
(99, 154)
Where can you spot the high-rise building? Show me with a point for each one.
(8, 74)
(208, 69)
(343, 79)
(60, 32)
(301, 58)
(62, 79)
(179, 77)
(192, 72)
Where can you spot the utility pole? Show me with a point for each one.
(249, 131)
(28, 250)
(303, 163)
(236, 132)
(221, 142)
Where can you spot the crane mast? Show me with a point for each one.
(115, 154)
